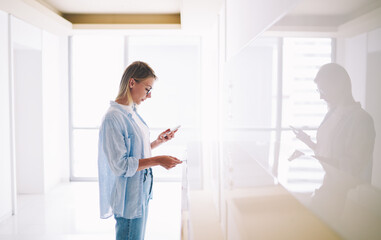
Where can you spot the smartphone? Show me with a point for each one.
(295, 155)
(175, 128)
(294, 129)
(172, 130)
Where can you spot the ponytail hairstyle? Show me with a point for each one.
(139, 71)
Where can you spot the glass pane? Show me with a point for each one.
(302, 58)
(298, 171)
(97, 63)
(248, 157)
(250, 87)
(85, 153)
(249, 115)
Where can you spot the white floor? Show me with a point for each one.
(71, 212)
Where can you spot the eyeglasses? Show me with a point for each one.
(320, 91)
(148, 91)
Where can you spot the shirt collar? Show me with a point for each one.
(129, 108)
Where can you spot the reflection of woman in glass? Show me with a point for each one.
(124, 155)
(345, 138)
(344, 146)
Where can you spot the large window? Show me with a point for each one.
(97, 64)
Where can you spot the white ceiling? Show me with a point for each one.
(115, 6)
(305, 7)
(195, 14)
(324, 15)
(332, 7)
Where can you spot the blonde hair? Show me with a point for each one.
(139, 71)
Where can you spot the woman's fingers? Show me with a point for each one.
(164, 134)
(174, 161)
(170, 162)
(167, 135)
(170, 135)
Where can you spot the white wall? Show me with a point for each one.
(209, 101)
(21, 126)
(55, 109)
(25, 34)
(27, 95)
(38, 15)
(361, 56)
(40, 76)
(373, 97)
(5, 142)
(246, 19)
(28, 120)
(354, 60)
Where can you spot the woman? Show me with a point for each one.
(124, 155)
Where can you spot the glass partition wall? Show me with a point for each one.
(268, 87)
(301, 108)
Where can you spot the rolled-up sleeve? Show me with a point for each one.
(116, 149)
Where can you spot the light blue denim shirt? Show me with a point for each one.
(119, 149)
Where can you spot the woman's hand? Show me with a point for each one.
(163, 137)
(301, 135)
(168, 162)
(304, 137)
(166, 135)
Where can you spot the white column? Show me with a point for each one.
(27, 107)
(5, 125)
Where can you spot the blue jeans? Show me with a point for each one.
(134, 229)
